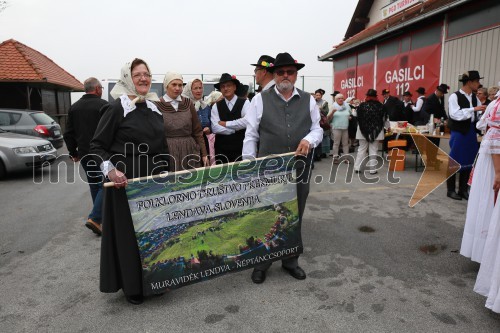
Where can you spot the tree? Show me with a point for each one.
(3, 5)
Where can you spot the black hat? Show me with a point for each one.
(372, 92)
(421, 90)
(285, 59)
(264, 61)
(335, 93)
(321, 91)
(226, 78)
(242, 90)
(469, 76)
(385, 91)
(407, 93)
(443, 87)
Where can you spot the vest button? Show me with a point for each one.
(288, 125)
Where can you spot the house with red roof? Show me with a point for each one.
(402, 45)
(31, 80)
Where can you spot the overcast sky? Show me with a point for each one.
(95, 38)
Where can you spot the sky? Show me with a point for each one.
(95, 38)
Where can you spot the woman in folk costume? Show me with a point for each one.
(488, 279)
(481, 199)
(129, 124)
(183, 131)
(194, 91)
(371, 120)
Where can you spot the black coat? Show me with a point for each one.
(393, 108)
(433, 106)
(83, 117)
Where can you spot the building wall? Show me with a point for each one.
(476, 51)
(375, 14)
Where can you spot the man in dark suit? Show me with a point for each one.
(434, 104)
(392, 105)
(83, 117)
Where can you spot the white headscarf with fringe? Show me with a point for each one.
(125, 86)
(187, 92)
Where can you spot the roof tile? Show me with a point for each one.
(22, 63)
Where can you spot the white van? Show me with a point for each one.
(156, 86)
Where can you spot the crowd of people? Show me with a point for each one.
(140, 134)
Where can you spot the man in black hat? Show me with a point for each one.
(299, 132)
(263, 73)
(417, 108)
(228, 123)
(407, 112)
(392, 105)
(463, 106)
(434, 104)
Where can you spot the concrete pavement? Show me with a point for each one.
(405, 275)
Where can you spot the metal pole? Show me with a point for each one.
(28, 95)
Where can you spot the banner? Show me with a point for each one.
(410, 70)
(199, 224)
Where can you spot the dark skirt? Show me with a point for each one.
(121, 266)
(120, 261)
(464, 148)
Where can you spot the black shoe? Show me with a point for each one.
(464, 195)
(135, 299)
(453, 195)
(296, 272)
(258, 276)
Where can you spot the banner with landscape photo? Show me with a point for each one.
(199, 224)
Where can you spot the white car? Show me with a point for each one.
(20, 152)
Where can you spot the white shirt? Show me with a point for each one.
(418, 105)
(233, 125)
(314, 137)
(456, 113)
(173, 102)
(268, 85)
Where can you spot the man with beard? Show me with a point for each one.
(298, 132)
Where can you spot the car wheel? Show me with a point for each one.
(3, 172)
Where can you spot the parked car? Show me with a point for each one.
(22, 152)
(34, 123)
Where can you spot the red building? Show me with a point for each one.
(405, 44)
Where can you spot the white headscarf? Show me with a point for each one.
(125, 86)
(169, 77)
(213, 97)
(187, 92)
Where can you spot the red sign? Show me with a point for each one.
(410, 70)
(354, 81)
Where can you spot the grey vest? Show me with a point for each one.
(283, 124)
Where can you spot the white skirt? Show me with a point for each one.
(479, 209)
(488, 278)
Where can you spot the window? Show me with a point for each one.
(8, 118)
(483, 16)
(426, 37)
(388, 49)
(42, 119)
(366, 57)
(405, 44)
(340, 64)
